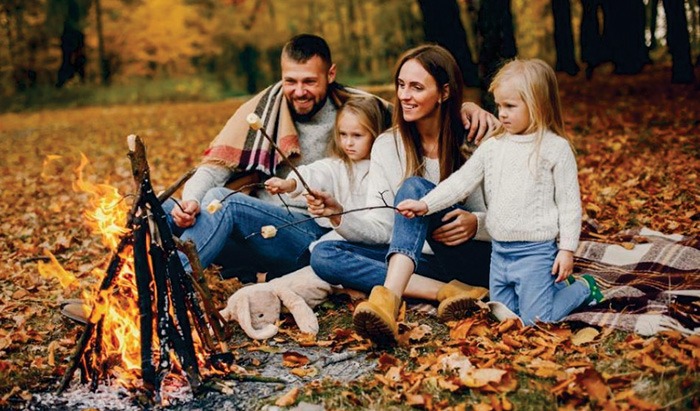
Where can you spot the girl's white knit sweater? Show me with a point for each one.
(346, 184)
(386, 174)
(529, 196)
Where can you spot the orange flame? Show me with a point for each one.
(118, 306)
(106, 216)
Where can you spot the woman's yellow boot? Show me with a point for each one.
(458, 300)
(376, 318)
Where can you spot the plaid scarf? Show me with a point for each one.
(242, 149)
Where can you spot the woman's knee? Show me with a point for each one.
(413, 187)
(322, 260)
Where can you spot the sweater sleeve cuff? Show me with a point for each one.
(568, 244)
(299, 187)
(481, 232)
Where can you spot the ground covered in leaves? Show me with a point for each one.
(639, 161)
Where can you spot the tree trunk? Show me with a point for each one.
(678, 41)
(73, 59)
(627, 23)
(354, 51)
(442, 25)
(365, 40)
(653, 14)
(594, 49)
(105, 71)
(249, 63)
(564, 37)
(495, 24)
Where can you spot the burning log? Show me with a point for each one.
(171, 302)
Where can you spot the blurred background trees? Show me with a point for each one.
(234, 45)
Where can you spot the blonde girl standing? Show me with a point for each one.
(531, 190)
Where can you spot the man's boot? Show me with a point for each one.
(458, 300)
(376, 318)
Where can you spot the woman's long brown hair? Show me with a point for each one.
(440, 64)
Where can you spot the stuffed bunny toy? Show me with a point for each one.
(257, 307)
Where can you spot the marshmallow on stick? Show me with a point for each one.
(256, 124)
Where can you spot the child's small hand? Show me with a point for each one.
(563, 265)
(322, 204)
(412, 208)
(276, 185)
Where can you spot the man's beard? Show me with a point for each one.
(303, 118)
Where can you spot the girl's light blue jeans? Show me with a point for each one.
(362, 266)
(231, 236)
(521, 278)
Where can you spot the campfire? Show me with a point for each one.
(149, 320)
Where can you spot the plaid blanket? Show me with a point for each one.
(650, 286)
(242, 149)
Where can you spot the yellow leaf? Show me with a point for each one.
(584, 336)
(289, 398)
(305, 371)
(475, 378)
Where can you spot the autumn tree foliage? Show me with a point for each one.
(237, 43)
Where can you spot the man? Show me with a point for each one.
(299, 112)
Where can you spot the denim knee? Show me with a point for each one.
(413, 188)
(323, 262)
(216, 193)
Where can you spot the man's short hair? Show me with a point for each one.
(302, 47)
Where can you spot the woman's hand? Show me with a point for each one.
(462, 228)
(411, 208)
(322, 204)
(185, 215)
(478, 121)
(563, 265)
(276, 185)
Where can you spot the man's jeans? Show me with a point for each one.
(231, 235)
(363, 266)
(521, 278)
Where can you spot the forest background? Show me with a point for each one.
(167, 70)
(54, 52)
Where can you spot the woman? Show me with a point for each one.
(423, 148)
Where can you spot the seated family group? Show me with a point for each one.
(440, 221)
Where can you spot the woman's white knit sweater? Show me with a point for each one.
(529, 197)
(386, 174)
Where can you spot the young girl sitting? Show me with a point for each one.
(532, 195)
(357, 124)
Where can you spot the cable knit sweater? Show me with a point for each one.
(386, 174)
(530, 197)
(331, 175)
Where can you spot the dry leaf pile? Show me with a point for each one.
(638, 153)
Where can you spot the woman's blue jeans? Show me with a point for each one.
(362, 266)
(521, 278)
(231, 236)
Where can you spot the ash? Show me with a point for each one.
(106, 398)
(241, 395)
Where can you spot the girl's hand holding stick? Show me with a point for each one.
(412, 208)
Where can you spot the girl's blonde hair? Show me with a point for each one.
(440, 64)
(535, 82)
(368, 113)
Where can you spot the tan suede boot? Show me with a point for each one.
(376, 318)
(458, 300)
